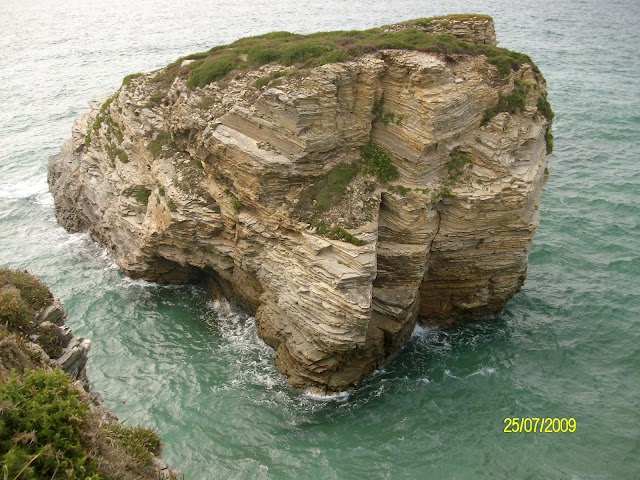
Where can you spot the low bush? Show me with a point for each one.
(545, 110)
(236, 204)
(40, 427)
(142, 195)
(140, 442)
(162, 139)
(378, 163)
(210, 70)
(512, 102)
(336, 233)
(126, 81)
(328, 190)
(21, 296)
(14, 312)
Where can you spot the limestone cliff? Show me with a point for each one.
(340, 185)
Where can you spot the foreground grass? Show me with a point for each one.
(49, 429)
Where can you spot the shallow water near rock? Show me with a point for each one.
(566, 345)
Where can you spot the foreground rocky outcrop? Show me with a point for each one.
(49, 421)
(341, 186)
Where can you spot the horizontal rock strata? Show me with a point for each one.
(234, 184)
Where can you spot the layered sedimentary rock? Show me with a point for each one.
(230, 184)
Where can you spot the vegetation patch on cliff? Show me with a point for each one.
(515, 102)
(40, 427)
(545, 110)
(512, 102)
(21, 296)
(161, 142)
(49, 427)
(331, 188)
(457, 174)
(341, 198)
(317, 49)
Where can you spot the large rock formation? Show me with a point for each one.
(340, 202)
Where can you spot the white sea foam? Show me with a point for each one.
(24, 189)
(335, 397)
(420, 331)
(251, 357)
(484, 371)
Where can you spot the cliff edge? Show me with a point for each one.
(339, 185)
(50, 425)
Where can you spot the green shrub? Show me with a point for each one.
(172, 206)
(399, 189)
(142, 195)
(162, 139)
(378, 163)
(548, 138)
(14, 312)
(388, 118)
(545, 109)
(457, 163)
(209, 71)
(126, 81)
(101, 116)
(32, 291)
(260, 55)
(236, 204)
(336, 233)
(378, 105)
(40, 427)
(328, 190)
(140, 442)
(512, 103)
(262, 82)
(50, 342)
(114, 152)
(302, 51)
(155, 100)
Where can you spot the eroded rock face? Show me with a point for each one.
(207, 185)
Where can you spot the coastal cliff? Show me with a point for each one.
(50, 423)
(340, 186)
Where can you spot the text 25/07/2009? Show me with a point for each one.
(539, 425)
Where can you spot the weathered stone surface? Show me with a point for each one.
(217, 203)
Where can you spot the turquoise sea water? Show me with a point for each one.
(566, 346)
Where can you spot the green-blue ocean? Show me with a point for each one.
(567, 345)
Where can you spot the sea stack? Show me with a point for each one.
(339, 186)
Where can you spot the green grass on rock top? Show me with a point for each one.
(312, 50)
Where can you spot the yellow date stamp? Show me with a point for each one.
(539, 425)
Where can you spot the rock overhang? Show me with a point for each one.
(191, 182)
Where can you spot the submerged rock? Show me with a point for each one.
(340, 186)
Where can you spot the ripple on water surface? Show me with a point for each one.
(566, 346)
